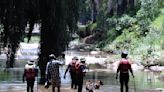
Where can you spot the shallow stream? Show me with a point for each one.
(143, 79)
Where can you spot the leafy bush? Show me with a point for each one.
(136, 32)
(149, 10)
(34, 39)
(92, 26)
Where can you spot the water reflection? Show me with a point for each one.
(143, 80)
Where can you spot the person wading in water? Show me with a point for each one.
(72, 69)
(123, 69)
(29, 74)
(52, 72)
(81, 69)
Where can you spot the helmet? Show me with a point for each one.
(82, 60)
(75, 58)
(124, 54)
(31, 62)
(52, 56)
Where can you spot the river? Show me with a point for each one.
(142, 80)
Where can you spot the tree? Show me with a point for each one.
(95, 6)
(54, 37)
(13, 20)
(54, 17)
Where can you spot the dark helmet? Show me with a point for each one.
(52, 56)
(31, 62)
(124, 54)
(82, 60)
(75, 58)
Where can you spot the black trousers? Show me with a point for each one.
(124, 79)
(30, 85)
(58, 89)
(73, 78)
(80, 82)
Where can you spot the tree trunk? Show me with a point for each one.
(95, 6)
(53, 17)
(112, 7)
(121, 6)
(53, 38)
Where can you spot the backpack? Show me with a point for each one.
(30, 73)
(72, 66)
(77, 65)
(124, 65)
(80, 69)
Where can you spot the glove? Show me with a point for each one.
(133, 76)
(116, 76)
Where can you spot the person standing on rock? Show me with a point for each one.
(123, 69)
(52, 72)
(72, 70)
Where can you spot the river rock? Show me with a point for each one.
(137, 67)
(157, 68)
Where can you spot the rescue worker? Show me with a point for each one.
(123, 69)
(80, 73)
(52, 72)
(72, 71)
(30, 72)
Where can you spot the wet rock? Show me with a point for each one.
(95, 52)
(137, 67)
(157, 68)
(161, 78)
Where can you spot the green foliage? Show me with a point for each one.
(34, 39)
(129, 30)
(84, 11)
(58, 20)
(102, 15)
(118, 25)
(154, 37)
(139, 32)
(161, 63)
(112, 25)
(92, 26)
(87, 30)
(133, 29)
(124, 41)
(149, 9)
(125, 22)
